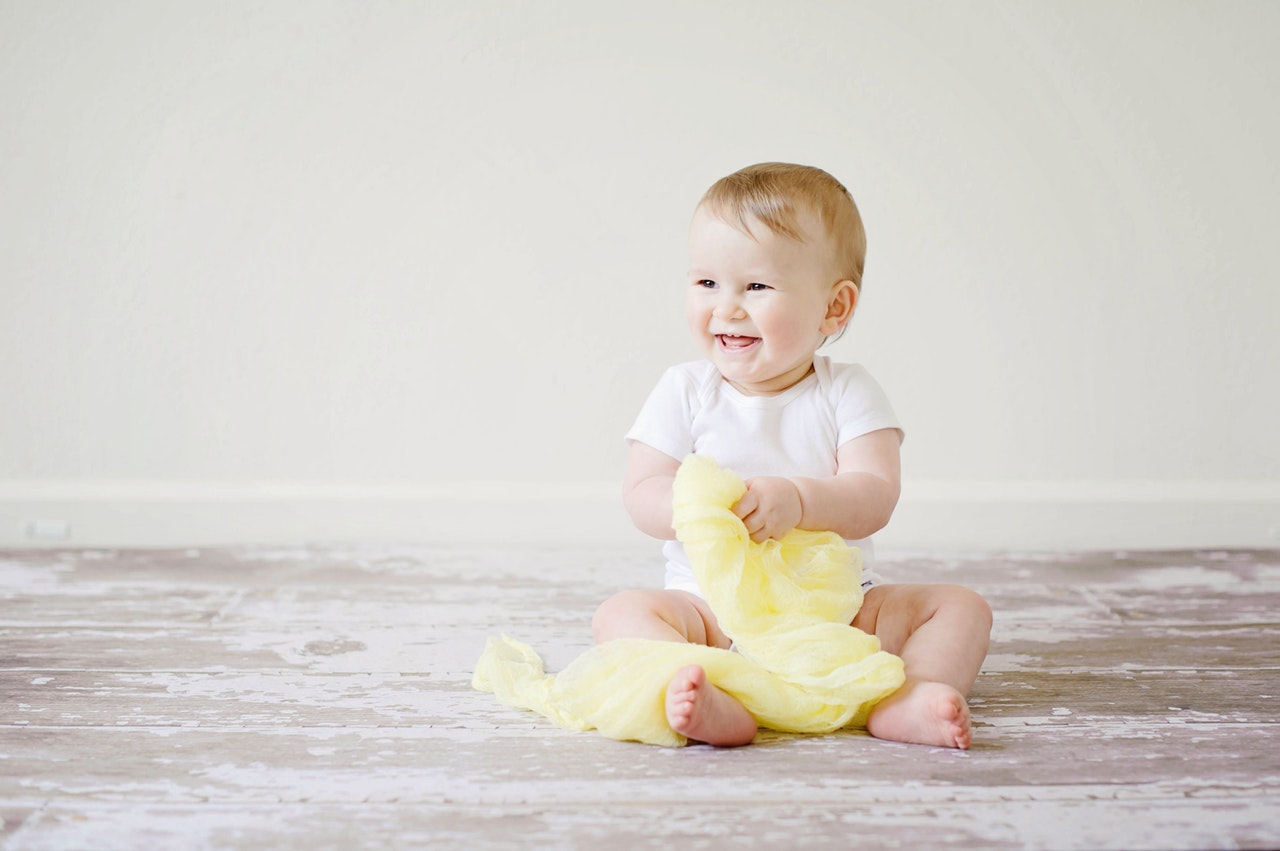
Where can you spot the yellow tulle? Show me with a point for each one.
(796, 665)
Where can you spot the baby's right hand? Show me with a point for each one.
(770, 508)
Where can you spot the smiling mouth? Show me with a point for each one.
(735, 343)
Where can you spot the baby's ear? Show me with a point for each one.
(840, 306)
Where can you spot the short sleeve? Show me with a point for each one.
(665, 421)
(861, 404)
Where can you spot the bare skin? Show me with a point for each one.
(923, 713)
(704, 713)
(942, 633)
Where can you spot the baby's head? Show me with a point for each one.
(782, 196)
(776, 254)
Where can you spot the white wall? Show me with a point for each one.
(261, 262)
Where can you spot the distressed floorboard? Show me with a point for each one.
(319, 696)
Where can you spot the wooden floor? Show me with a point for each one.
(319, 698)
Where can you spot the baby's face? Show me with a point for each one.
(758, 307)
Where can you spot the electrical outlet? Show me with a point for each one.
(49, 530)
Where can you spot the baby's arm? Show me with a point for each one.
(859, 499)
(646, 490)
(855, 503)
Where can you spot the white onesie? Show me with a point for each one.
(795, 433)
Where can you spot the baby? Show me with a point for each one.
(776, 255)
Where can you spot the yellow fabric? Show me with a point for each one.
(797, 665)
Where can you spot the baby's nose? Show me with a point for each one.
(728, 306)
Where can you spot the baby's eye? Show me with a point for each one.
(707, 284)
(757, 287)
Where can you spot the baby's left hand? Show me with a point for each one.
(770, 508)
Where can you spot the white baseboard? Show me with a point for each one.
(1061, 516)
(1053, 516)
(153, 514)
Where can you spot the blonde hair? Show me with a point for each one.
(777, 193)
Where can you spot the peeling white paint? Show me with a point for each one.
(330, 688)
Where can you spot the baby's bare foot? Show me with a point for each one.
(923, 713)
(704, 713)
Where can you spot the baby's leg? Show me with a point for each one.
(659, 615)
(695, 707)
(942, 633)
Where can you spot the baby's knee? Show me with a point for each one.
(659, 615)
(616, 611)
(969, 604)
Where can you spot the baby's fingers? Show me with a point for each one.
(743, 507)
(752, 518)
(754, 525)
